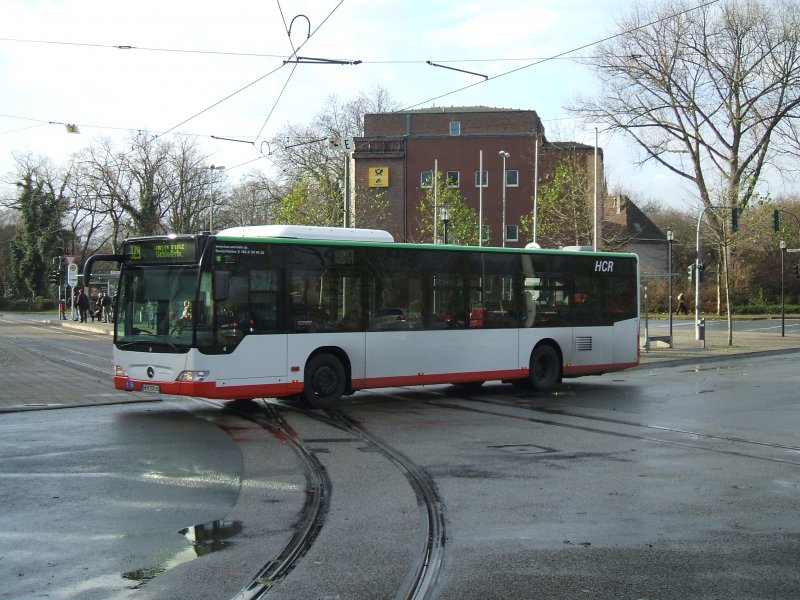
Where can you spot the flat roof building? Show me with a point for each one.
(395, 159)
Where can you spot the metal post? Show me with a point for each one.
(697, 278)
(346, 220)
(536, 189)
(480, 198)
(670, 240)
(445, 216)
(595, 220)
(435, 201)
(783, 277)
(505, 155)
(646, 319)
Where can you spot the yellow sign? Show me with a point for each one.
(378, 176)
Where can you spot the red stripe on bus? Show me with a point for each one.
(431, 378)
(578, 370)
(209, 389)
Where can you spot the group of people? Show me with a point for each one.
(98, 309)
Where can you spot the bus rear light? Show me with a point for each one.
(192, 376)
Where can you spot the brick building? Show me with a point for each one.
(628, 229)
(397, 154)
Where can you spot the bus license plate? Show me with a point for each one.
(151, 387)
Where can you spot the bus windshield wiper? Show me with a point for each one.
(161, 338)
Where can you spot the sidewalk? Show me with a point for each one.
(685, 348)
(91, 326)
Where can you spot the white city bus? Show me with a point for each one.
(275, 311)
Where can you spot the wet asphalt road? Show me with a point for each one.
(670, 482)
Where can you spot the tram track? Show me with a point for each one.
(61, 349)
(676, 430)
(683, 433)
(317, 498)
(58, 353)
(421, 578)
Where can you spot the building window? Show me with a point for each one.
(512, 233)
(453, 178)
(426, 179)
(481, 178)
(512, 178)
(455, 127)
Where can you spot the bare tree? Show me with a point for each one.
(192, 188)
(702, 91)
(310, 156)
(88, 223)
(253, 201)
(104, 185)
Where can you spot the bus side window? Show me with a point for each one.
(264, 312)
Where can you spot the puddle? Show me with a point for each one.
(204, 539)
(211, 537)
(523, 449)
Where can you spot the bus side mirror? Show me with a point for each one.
(222, 285)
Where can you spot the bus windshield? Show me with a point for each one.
(158, 305)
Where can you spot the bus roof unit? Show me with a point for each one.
(308, 232)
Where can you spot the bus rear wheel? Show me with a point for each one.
(325, 380)
(545, 368)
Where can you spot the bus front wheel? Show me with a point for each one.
(545, 368)
(325, 380)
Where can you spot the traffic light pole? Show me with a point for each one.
(698, 328)
(776, 225)
(700, 325)
(783, 277)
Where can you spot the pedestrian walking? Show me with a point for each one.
(682, 308)
(106, 304)
(74, 301)
(83, 305)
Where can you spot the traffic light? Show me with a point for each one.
(55, 276)
(690, 273)
(735, 212)
(776, 220)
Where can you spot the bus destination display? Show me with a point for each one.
(162, 251)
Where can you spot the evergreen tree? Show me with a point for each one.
(40, 205)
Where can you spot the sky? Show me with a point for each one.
(217, 70)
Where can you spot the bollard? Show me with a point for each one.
(701, 331)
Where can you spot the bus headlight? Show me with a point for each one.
(192, 376)
(119, 371)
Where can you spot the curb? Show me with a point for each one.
(101, 328)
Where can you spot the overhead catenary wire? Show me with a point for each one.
(562, 54)
(567, 55)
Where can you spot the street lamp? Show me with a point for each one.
(444, 215)
(211, 199)
(505, 155)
